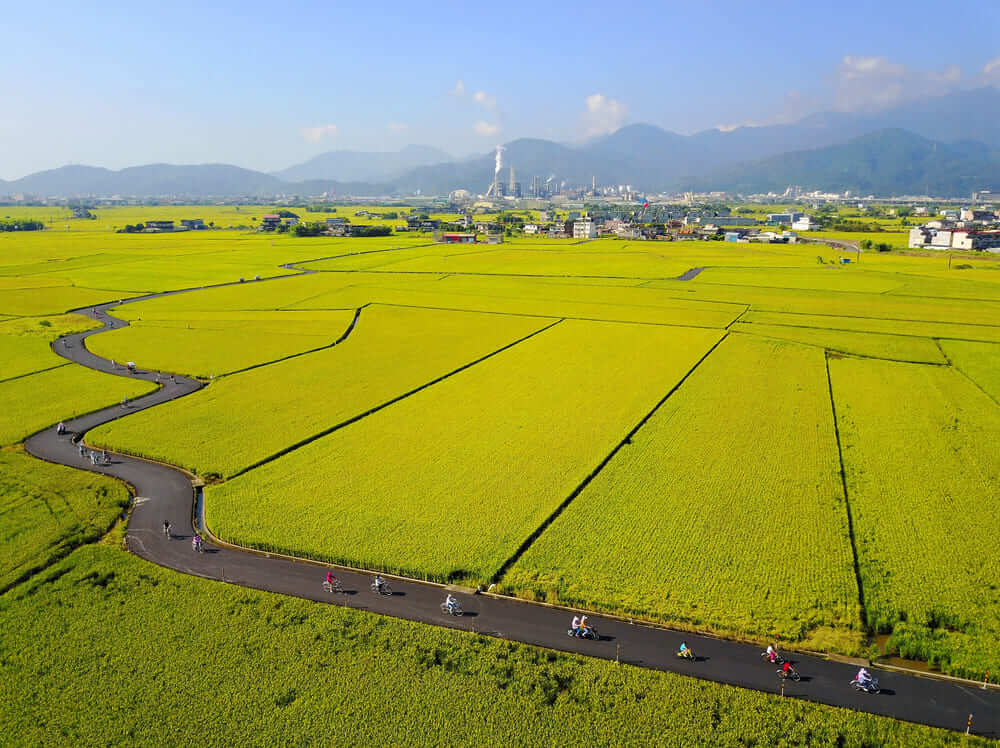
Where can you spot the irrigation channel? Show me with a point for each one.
(167, 493)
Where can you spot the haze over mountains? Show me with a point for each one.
(947, 145)
(360, 166)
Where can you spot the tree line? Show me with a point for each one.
(7, 225)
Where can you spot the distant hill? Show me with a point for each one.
(885, 152)
(162, 180)
(963, 115)
(357, 166)
(887, 162)
(651, 158)
(151, 180)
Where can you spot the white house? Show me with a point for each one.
(584, 230)
(805, 223)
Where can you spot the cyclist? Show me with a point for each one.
(772, 654)
(450, 602)
(786, 669)
(575, 626)
(864, 678)
(379, 584)
(684, 651)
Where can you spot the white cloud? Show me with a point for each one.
(736, 126)
(991, 71)
(869, 83)
(487, 102)
(482, 127)
(316, 134)
(603, 115)
(398, 126)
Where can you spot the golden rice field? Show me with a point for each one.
(867, 344)
(486, 456)
(25, 342)
(980, 362)
(391, 351)
(48, 510)
(922, 473)
(209, 344)
(29, 404)
(482, 386)
(724, 512)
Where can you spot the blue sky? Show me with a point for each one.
(265, 85)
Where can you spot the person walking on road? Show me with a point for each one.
(166, 528)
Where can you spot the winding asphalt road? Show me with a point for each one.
(166, 493)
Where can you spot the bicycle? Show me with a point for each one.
(778, 659)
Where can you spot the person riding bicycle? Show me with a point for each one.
(864, 678)
(61, 428)
(451, 603)
(584, 626)
(684, 651)
(379, 583)
(772, 654)
(786, 669)
(575, 626)
(330, 579)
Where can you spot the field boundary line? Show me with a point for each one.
(839, 352)
(872, 332)
(338, 341)
(847, 499)
(537, 316)
(957, 368)
(505, 275)
(326, 432)
(294, 265)
(880, 319)
(737, 318)
(32, 373)
(529, 541)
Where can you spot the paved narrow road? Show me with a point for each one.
(165, 493)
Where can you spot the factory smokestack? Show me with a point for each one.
(495, 189)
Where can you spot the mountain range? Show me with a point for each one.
(359, 166)
(947, 145)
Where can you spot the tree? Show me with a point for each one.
(308, 229)
(371, 231)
